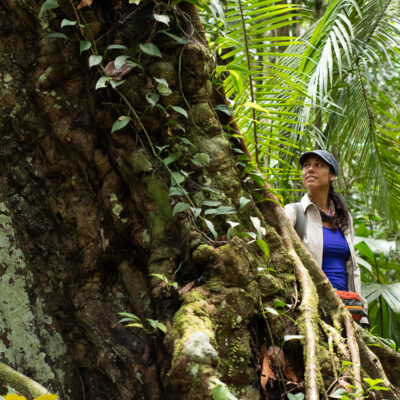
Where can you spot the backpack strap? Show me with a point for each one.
(301, 221)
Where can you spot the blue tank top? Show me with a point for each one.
(335, 254)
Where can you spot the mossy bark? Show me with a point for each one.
(87, 216)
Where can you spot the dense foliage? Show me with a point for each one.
(297, 83)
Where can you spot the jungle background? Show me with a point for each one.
(146, 148)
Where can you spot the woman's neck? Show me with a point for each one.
(320, 198)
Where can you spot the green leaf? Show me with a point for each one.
(176, 38)
(224, 108)
(255, 106)
(243, 201)
(179, 207)
(150, 49)
(346, 363)
(135, 325)
(271, 310)
(48, 5)
(116, 47)
(164, 90)
(161, 277)
(231, 231)
(210, 226)
(162, 81)
(177, 191)
(201, 160)
(101, 83)
(180, 110)
(152, 98)
(134, 2)
(120, 61)
(170, 159)
(95, 60)
(373, 382)
(264, 247)
(67, 22)
(133, 64)
(279, 303)
(163, 87)
(177, 178)
(161, 326)
(84, 45)
(365, 251)
(196, 211)
(221, 392)
(162, 18)
(287, 338)
(129, 316)
(257, 225)
(57, 35)
(297, 396)
(115, 84)
(187, 141)
(152, 322)
(120, 123)
(390, 292)
(211, 203)
(338, 393)
(221, 210)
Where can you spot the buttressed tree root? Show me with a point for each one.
(320, 303)
(98, 220)
(351, 340)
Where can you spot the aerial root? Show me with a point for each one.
(374, 367)
(308, 327)
(339, 341)
(353, 348)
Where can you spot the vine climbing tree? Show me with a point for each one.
(123, 197)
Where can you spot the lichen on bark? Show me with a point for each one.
(27, 334)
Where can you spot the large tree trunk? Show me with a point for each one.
(86, 217)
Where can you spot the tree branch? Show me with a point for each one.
(21, 383)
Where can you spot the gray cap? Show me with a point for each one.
(324, 155)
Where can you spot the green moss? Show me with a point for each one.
(192, 296)
(139, 161)
(45, 74)
(204, 118)
(198, 198)
(205, 254)
(117, 208)
(164, 70)
(7, 77)
(236, 356)
(162, 214)
(193, 318)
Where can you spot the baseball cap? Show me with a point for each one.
(324, 155)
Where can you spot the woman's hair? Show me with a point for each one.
(341, 217)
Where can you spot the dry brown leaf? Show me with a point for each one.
(277, 356)
(342, 384)
(266, 372)
(186, 288)
(289, 373)
(170, 131)
(117, 74)
(84, 3)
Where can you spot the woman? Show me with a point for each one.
(323, 223)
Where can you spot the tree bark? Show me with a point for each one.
(86, 216)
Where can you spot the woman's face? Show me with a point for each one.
(316, 174)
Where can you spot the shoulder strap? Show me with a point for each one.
(301, 221)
